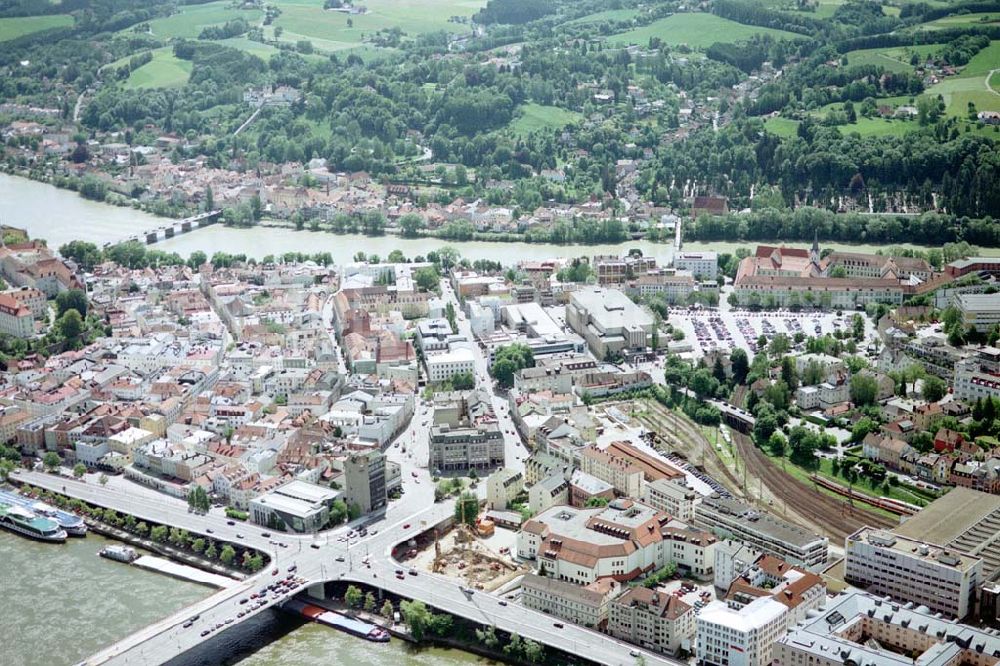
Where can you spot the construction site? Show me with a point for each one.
(478, 556)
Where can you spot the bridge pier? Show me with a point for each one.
(169, 232)
(317, 591)
(151, 238)
(185, 226)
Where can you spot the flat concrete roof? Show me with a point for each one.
(948, 517)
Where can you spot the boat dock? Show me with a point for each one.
(359, 628)
(183, 571)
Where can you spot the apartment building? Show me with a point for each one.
(762, 531)
(442, 366)
(799, 590)
(548, 492)
(460, 449)
(652, 619)
(502, 487)
(586, 605)
(942, 579)
(623, 475)
(979, 376)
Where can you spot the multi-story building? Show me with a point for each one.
(732, 558)
(468, 447)
(942, 579)
(616, 270)
(704, 265)
(739, 637)
(652, 619)
(16, 319)
(31, 298)
(296, 506)
(364, 481)
(864, 629)
(859, 265)
(623, 475)
(585, 605)
(442, 366)
(671, 496)
(979, 376)
(761, 530)
(548, 492)
(623, 541)
(609, 321)
(800, 590)
(502, 487)
(979, 311)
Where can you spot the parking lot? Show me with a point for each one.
(725, 329)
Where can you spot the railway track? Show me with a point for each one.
(834, 517)
(672, 429)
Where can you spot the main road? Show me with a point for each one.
(319, 558)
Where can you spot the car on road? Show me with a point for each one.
(413, 572)
(292, 568)
(314, 545)
(265, 534)
(339, 558)
(187, 624)
(243, 601)
(230, 522)
(239, 535)
(205, 633)
(406, 526)
(210, 530)
(503, 603)
(557, 625)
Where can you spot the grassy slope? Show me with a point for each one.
(328, 30)
(971, 84)
(609, 15)
(164, 71)
(534, 117)
(698, 30)
(190, 20)
(12, 28)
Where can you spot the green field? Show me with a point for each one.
(959, 20)
(329, 31)
(533, 117)
(259, 49)
(609, 15)
(190, 20)
(697, 30)
(165, 70)
(894, 59)
(783, 127)
(12, 28)
(973, 84)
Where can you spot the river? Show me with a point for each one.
(62, 603)
(60, 216)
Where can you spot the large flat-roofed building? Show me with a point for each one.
(856, 628)
(621, 541)
(704, 265)
(964, 519)
(460, 449)
(942, 579)
(609, 321)
(979, 311)
(586, 605)
(443, 366)
(729, 636)
(761, 530)
(652, 619)
(296, 506)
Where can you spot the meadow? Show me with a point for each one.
(329, 30)
(697, 30)
(12, 28)
(533, 117)
(191, 19)
(165, 70)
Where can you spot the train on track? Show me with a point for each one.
(897, 507)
